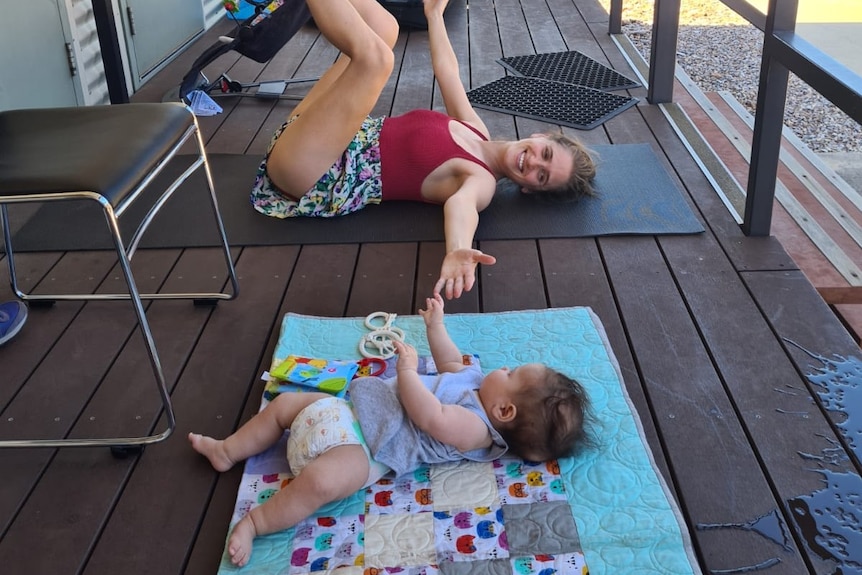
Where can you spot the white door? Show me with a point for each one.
(35, 53)
(156, 30)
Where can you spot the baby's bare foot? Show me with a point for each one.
(213, 449)
(240, 543)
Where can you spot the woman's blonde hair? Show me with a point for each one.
(579, 184)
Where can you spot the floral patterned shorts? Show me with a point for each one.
(351, 183)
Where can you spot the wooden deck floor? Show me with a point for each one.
(701, 325)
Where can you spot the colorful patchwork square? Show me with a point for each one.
(519, 481)
(325, 543)
(470, 534)
(408, 493)
(562, 564)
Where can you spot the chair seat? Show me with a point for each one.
(103, 149)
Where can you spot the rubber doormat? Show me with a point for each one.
(546, 100)
(569, 67)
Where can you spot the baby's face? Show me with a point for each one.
(504, 383)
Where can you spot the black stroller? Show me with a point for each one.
(258, 37)
(263, 34)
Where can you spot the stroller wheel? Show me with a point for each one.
(227, 85)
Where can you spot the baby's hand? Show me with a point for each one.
(407, 356)
(433, 312)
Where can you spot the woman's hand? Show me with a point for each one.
(432, 7)
(408, 359)
(458, 273)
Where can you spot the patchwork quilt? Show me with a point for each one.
(605, 511)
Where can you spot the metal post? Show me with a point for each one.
(768, 123)
(662, 60)
(109, 42)
(615, 18)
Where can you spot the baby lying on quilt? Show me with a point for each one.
(337, 447)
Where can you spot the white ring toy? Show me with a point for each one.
(381, 338)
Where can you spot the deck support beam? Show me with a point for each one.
(662, 62)
(768, 122)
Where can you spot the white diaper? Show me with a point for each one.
(327, 423)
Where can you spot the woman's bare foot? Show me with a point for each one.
(240, 543)
(213, 449)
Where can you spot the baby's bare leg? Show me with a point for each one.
(259, 433)
(335, 474)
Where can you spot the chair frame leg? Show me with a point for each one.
(125, 255)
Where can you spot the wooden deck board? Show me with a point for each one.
(384, 280)
(209, 397)
(694, 414)
(699, 324)
(30, 348)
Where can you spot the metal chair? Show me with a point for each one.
(109, 154)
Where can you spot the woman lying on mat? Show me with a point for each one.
(331, 158)
(337, 447)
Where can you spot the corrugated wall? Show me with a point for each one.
(88, 55)
(88, 52)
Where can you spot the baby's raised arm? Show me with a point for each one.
(446, 355)
(451, 424)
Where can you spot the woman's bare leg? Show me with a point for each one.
(384, 25)
(334, 475)
(260, 432)
(335, 108)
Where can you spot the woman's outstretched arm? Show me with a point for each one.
(461, 210)
(460, 218)
(446, 70)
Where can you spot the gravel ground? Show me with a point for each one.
(721, 52)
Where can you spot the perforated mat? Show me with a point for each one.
(569, 67)
(565, 104)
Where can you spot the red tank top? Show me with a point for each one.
(411, 147)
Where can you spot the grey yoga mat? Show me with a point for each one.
(636, 195)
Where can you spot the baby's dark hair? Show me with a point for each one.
(579, 184)
(551, 419)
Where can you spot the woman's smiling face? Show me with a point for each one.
(538, 163)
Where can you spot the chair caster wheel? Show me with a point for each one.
(123, 451)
